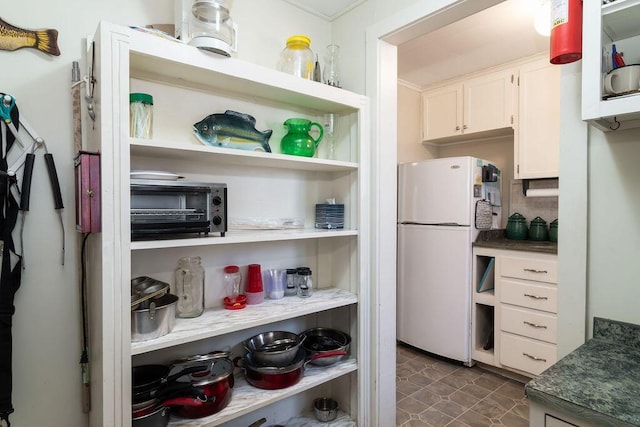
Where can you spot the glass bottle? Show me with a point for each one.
(305, 283)
(189, 287)
(332, 66)
(297, 57)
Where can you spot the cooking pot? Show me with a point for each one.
(276, 348)
(216, 382)
(332, 344)
(156, 381)
(156, 320)
(516, 227)
(538, 229)
(159, 417)
(272, 377)
(553, 231)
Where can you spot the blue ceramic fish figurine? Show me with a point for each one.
(232, 130)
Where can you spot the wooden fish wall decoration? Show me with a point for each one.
(13, 38)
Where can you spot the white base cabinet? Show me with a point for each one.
(187, 85)
(514, 325)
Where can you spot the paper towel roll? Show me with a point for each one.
(543, 192)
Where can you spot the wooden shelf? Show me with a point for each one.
(484, 298)
(216, 322)
(236, 237)
(620, 19)
(247, 398)
(190, 151)
(158, 59)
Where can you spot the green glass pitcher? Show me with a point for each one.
(298, 141)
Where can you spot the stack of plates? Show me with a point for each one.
(329, 216)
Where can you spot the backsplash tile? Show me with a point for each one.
(531, 207)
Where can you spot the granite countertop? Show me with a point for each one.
(598, 382)
(496, 239)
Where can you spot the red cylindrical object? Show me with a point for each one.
(254, 280)
(566, 31)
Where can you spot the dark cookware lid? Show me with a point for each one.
(216, 366)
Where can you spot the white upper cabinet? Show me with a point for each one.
(603, 26)
(537, 135)
(442, 112)
(474, 108)
(488, 102)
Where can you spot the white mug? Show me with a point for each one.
(622, 79)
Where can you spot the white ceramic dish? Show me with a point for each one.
(162, 175)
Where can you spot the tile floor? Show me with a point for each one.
(433, 392)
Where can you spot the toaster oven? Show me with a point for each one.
(160, 208)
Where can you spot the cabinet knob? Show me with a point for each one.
(457, 127)
(464, 126)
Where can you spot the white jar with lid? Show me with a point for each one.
(297, 58)
(141, 115)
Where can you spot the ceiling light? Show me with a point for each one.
(542, 19)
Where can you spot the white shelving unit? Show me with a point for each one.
(187, 85)
(604, 25)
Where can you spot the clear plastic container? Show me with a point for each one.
(297, 58)
(189, 287)
(141, 115)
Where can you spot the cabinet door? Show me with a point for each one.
(442, 112)
(488, 102)
(537, 136)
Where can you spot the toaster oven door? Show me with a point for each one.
(158, 209)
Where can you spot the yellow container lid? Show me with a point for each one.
(299, 39)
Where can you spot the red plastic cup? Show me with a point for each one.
(255, 290)
(254, 280)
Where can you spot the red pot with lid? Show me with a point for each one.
(216, 381)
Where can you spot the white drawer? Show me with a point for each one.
(541, 270)
(529, 323)
(526, 354)
(528, 294)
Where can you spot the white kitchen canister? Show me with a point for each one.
(141, 115)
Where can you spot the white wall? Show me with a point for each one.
(46, 332)
(410, 148)
(614, 226)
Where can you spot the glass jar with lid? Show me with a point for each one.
(189, 287)
(305, 282)
(297, 58)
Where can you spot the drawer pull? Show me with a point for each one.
(535, 296)
(534, 325)
(533, 270)
(537, 359)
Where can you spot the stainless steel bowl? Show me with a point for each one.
(275, 348)
(325, 408)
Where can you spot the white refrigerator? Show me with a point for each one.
(436, 227)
